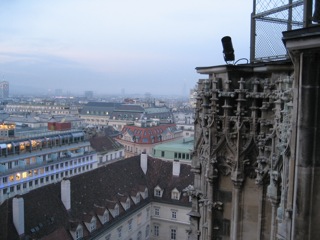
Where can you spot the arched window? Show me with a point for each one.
(147, 230)
(139, 236)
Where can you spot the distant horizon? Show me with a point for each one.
(13, 92)
(28, 90)
(106, 46)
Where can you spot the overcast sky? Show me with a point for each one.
(108, 46)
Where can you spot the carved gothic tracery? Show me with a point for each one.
(242, 129)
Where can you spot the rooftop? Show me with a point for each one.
(45, 213)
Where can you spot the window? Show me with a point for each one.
(175, 194)
(147, 230)
(139, 218)
(157, 191)
(162, 153)
(105, 217)
(130, 225)
(156, 230)
(157, 211)
(119, 232)
(225, 227)
(145, 193)
(174, 214)
(93, 224)
(127, 204)
(108, 237)
(139, 236)
(116, 210)
(79, 233)
(173, 235)
(148, 213)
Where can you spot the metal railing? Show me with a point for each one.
(269, 19)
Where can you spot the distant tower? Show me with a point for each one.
(58, 92)
(4, 89)
(88, 94)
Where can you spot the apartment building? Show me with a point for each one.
(29, 162)
(118, 115)
(108, 149)
(180, 149)
(49, 107)
(144, 137)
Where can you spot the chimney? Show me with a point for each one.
(144, 162)
(66, 193)
(18, 214)
(176, 168)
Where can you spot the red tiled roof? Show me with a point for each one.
(148, 135)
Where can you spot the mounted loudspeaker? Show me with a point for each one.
(227, 48)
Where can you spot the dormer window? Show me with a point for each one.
(138, 198)
(116, 210)
(79, 232)
(93, 224)
(145, 193)
(105, 217)
(175, 194)
(127, 204)
(158, 191)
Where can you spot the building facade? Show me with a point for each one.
(48, 107)
(143, 138)
(180, 149)
(27, 163)
(118, 115)
(108, 150)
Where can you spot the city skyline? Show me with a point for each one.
(106, 47)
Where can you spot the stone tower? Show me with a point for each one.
(257, 148)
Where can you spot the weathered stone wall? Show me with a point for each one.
(242, 127)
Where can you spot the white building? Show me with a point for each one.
(31, 162)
